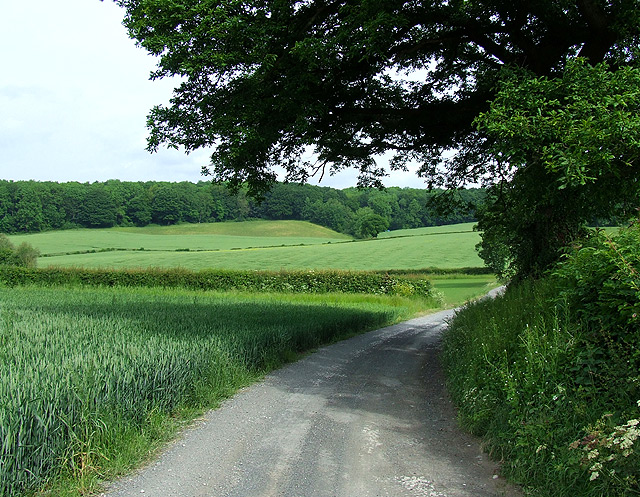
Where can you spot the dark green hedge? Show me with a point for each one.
(215, 279)
(436, 271)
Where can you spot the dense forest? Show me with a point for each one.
(30, 206)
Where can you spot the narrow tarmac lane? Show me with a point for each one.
(365, 417)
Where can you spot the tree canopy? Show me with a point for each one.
(265, 80)
(567, 152)
(121, 203)
(269, 83)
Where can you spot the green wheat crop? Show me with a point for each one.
(78, 366)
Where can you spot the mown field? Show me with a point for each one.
(210, 236)
(257, 245)
(92, 380)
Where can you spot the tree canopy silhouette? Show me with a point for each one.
(270, 83)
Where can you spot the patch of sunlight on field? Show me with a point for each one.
(460, 289)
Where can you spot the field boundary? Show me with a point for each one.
(311, 281)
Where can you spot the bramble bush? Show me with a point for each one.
(549, 373)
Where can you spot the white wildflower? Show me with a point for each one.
(626, 443)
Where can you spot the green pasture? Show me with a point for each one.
(460, 289)
(209, 236)
(443, 247)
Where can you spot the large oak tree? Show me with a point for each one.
(264, 82)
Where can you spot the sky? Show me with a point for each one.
(74, 98)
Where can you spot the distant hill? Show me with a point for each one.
(257, 245)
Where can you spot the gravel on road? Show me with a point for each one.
(369, 416)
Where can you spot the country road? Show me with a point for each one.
(365, 417)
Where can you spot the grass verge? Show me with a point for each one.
(559, 412)
(549, 372)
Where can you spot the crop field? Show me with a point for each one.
(277, 248)
(79, 367)
(92, 379)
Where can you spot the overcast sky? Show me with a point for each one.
(74, 96)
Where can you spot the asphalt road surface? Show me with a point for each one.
(365, 417)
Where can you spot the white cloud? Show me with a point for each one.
(74, 96)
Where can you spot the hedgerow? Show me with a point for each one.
(223, 280)
(549, 373)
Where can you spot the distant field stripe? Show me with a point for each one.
(424, 234)
(463, 227)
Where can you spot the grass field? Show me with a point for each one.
(267, 246)
(270, 245)
(460, 289)
(211, 236)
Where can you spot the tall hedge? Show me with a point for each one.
(216, 279)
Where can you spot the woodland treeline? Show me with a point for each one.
(31, 206)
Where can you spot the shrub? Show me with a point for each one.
(24, 255)
(253, 281)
